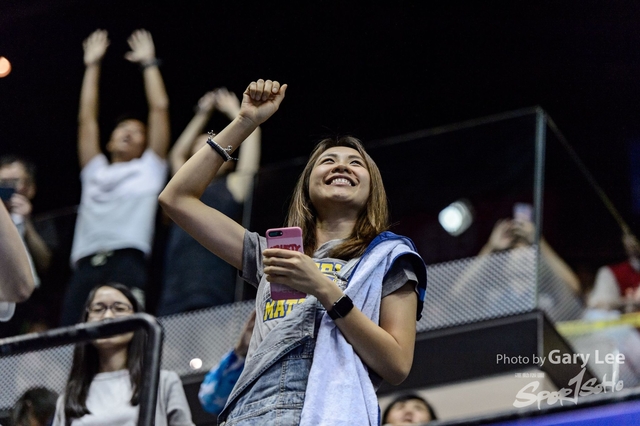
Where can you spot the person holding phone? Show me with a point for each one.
(319, 359)
(519, 232)
(18, 182)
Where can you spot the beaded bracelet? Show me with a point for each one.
(223, 152)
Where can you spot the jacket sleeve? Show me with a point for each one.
(219, 382)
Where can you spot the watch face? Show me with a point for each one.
(341, 308)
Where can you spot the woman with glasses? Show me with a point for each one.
(104, 383)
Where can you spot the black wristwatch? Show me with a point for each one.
(341, 308)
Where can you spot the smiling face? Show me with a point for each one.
(340, 183)
(128, 140)
(118, 306)
(339, 176)
(409, 412)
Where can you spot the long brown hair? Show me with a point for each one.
(372, 220)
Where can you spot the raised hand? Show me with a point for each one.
(20, 205)
(207, 102)
(261, 100)
(95, 46)
(142, 47)
(501, 237)
(227, 103)
(525, 230)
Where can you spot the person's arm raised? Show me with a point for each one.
(526, 230)
(240, 181)
(181, 150)
(40, 252)
(95, 46)
(143, 52)
(181, 197)
(16, 279)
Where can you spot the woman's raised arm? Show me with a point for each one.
(181, 197)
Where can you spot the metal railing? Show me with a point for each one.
(91, 331)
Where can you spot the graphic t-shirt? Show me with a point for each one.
(271, 312)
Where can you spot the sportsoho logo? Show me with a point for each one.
(576, 387)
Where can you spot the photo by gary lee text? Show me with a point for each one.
(555, 357)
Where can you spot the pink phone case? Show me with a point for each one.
(290, 239)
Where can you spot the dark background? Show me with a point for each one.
(372, 69)
(376, 70)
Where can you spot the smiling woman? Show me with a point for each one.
(340, 185)
(365, 285)
(340, 174)
(104, 382)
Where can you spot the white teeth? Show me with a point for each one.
(340, 181)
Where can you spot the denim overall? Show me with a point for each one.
(274, 380)
(271, 389)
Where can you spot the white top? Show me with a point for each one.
(6, 310)
(109, 402)
(605, 291)
(118, 204)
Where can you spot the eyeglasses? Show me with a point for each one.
(119, 309)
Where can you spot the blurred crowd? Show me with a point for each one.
(126, 256)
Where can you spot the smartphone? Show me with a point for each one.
(290, 239)
(523, 212)
(6, 192)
